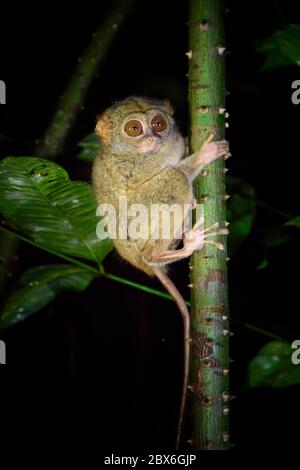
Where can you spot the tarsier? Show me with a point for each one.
(141, 158)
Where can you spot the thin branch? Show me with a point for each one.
(100, 272)
(70, 259)
(121, 280)
(270, 208)
(138, 286)
(71, 101)
(257, 329)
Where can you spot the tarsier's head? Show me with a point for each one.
(137, 125)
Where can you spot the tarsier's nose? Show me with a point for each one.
(150, 139)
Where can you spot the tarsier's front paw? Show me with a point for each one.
(195, 239)
(210, 151)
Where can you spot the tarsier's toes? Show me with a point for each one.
(195, 239)
(222, 231)
(198, 223)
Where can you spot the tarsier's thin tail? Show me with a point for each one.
(174, 292)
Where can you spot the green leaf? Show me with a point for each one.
(39, 286)
(90, 146)
(289, 42)
(38, 198)
(273, 367)
(263, 264)
(282, 48)
(274, 237)
(295, 222)
(240, 211)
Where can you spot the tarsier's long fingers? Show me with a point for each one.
(210, 151)
(215, 225)
(198, 222)
(210, 137)
(223, 231)
(218, 245)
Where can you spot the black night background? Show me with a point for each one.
(105, 364)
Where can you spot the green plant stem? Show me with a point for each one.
(71, 101)
(209, 314)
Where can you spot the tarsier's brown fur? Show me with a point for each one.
(149, 169)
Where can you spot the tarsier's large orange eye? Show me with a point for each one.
(158, 123)
(133, 128)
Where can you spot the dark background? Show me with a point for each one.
(105, 365)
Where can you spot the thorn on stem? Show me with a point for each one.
(208, 444)
(207, 401)
(221, 50)
(204, 25)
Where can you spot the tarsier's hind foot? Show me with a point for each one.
(195, 239)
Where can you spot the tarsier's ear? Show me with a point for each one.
(169, 107)
(102, 128)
